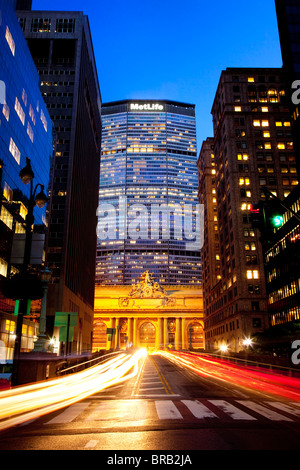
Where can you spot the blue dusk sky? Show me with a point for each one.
(175, 50)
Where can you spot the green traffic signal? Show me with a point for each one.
(277, 221)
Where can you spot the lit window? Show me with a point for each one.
(238, 109)
(32, 114)
(6, 217)
(30, 132)
(281, 146)
(252, 274)
(265, 109)
(5, 111)
(3, 267)
(251, 79)
(10, 41)
(24, 97)
(265, 123)
(14, 151)
(19, 110)
(44, 120)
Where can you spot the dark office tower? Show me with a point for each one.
(288, 18)
(252, 149)
(61, 46)
(23, 4)
(148, 185)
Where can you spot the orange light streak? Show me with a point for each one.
(31, 401)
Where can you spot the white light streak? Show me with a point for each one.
(31, 401)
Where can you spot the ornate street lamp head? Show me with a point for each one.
(26, 174)
(41, 198)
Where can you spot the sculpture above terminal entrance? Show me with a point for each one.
(147, 288)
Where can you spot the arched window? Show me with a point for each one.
(262, 94)
(99, 336)
(147, 334)
(273, 95)
(196, 335)
(252, 97)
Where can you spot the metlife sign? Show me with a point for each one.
(146, 107)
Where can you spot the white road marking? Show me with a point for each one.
(231, 410)
(198, 409)
(266, 412)
(167, 410)
(69, 414)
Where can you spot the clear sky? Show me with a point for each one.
(175, 49)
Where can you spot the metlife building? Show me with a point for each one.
(149, 218)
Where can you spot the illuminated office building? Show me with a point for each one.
(61, 46)
(149, 161)
(252, 148)
(25, 132)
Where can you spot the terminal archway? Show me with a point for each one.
(196, 335)
(147, 335)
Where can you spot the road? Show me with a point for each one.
(167, 407)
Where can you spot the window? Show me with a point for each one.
(5, 111)
(10, 40)
(65, 25)
(14, 151)
(252, 274)
(19, 110)
(6, 217)
(40, 25)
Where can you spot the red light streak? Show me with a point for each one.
(260, 380)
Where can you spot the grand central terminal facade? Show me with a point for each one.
(148, 315)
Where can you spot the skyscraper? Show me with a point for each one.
(61, 46)
(25, 132)
(148, 193)
(252, 149)
(288, 18)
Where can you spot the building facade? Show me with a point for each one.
(25, 132)
(148, 315)
(288, 18)
(282, 256)
(148, 194)
(61, 46)
(253, 149)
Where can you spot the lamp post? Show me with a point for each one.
(40, 343)
(39, 200)
(190, 331)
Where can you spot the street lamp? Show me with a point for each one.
(39, 200)
(40, 343)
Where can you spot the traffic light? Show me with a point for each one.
(257, 216)
(267, 216)
(274, 214)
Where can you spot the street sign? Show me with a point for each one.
(66, 321)
(111, 331)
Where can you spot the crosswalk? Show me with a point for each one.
(139, 412)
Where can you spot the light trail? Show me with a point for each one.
(259, 380)
(31, 401)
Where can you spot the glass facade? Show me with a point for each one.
(26, 128)
(25, 132)
(148, 179)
